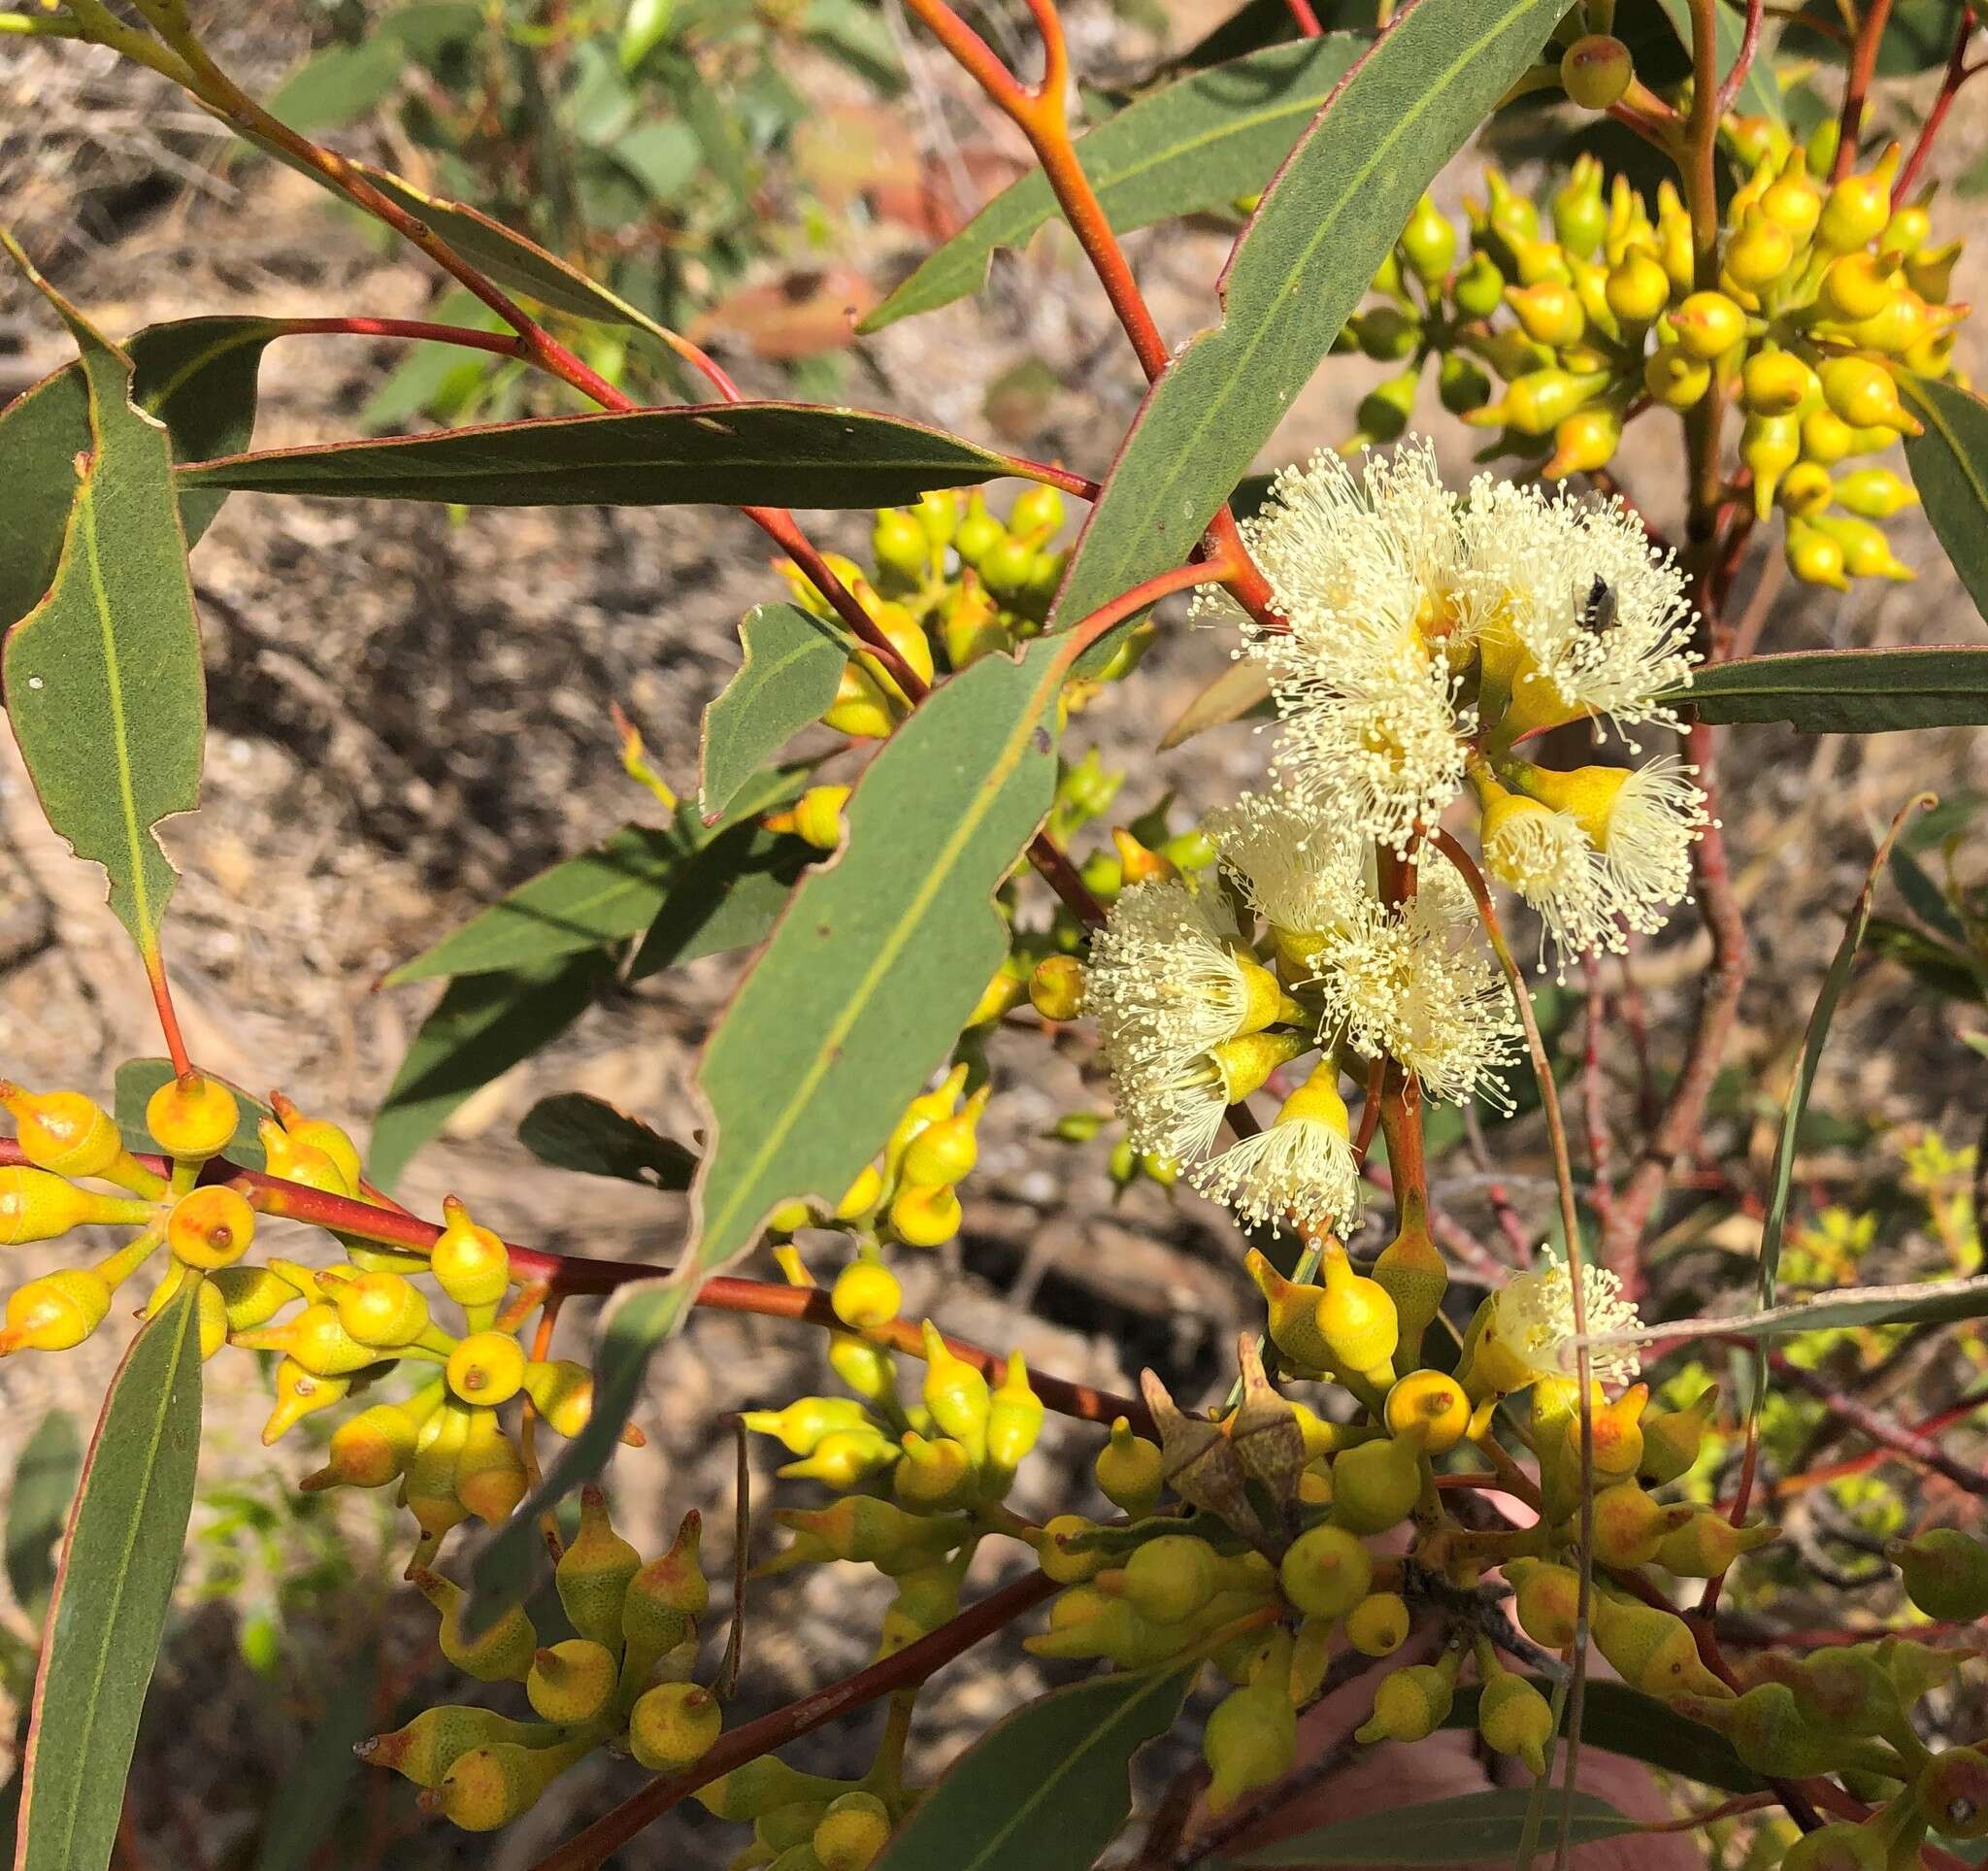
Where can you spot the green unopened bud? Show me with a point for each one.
(1595, 71)
(1945, 1573)
(491, 1786)
(1130, 1471)
(1325, 1572)
(674, 1726)
(1409, 1705)
(1429, 243)
(593, 1572)
(1379, 1625)
(435, 1739)
(1376, 1486)
(503, 1653)
(1250, 1740)
(872, 1532)
(1516, 1720)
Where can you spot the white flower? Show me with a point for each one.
(1418, 981)
(1532, 1320)
(1173, 1112)
(1545, 856)
(1165, 977)
(1579, 613)
(1645, 841)
(1301, 873)
(1300, 1170)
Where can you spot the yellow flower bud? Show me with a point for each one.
(570, 1683)
(1813, 556)
(72, 1135)
(956, 1394)
(562, 1392)
(1930, 270)
(936, 1474)
(300, 1394)
(471, 1264)
(1708, 324)
(1130, 1470)
(1708, 1543)
(1675, 377)
(1432, 1404)
(1769, 445)
(674, 1726)
(1515, 1720)
(1794, 201)
(1857, 209)
(193, 1117)
(1548, 312)
(1806, 490)
(1170, 1579)
(315, 1339)
(1826, 437)
(902, 551)
(1379, 1625)
(1409, 1705)
(435, 1739)
(37, 1205)
(1586, 440)
(1250, 1740)
(1867, 553)
(210, 1228)
(850, 1834)
(1874, 493)
(1326, 1571)
(321, 1134)
(1293, 1315)
(503, 1653)
(1651, 1649)
(1864, 394)
(818, 817)
(1429, 243)
(491, 1478)
(1760, 253)
(1638, 288)
(862, 1195)
(1858, 285)
(1630, 1526)
(1546, 1601)
(1056, 988)
(1063, 1563)
(1775, 382)
(803, 1424)
(486, 1368)
(1015, 1418)
(866, 1293)
(945, 1152)
(382, 1308)
(55, 1312)
(367, 1451)
(1376, 1486)
(924, 1217)
(492, 1785)
(1357, 1319)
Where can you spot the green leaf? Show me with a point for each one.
(340, 85)
(1439, 1832)
(589, 1135)
(44, 1482)
(797, 455)
(1947, 971)
(727, 895)
(1046, 1789)
(112, 1595)
(1302, 264)
(1759, 94)
(1949, 464)
(863, 989)
(1240, 693)
(1191, 146)
(1928, 901)
(103, 678)
(138, 1079)
(1845, 691)
(298, 1826)
(1621, 1721)
(481, 1026)
(586, 902)
(793, 665)
(198, 376)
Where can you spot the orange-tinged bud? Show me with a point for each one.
(38, 1205)
(435, 1739)
(1548, 312)
(1708, 324)
(57, 1312)
(663, 1599)
(298, 1162)
(382, 1308)
(369, 1450)
(486, 1368)
(1293, 1314)
(561, 1391)
(593, 1572)
(470, 1264)
(210, 1228)
(491, 1786)
(1432, 1403)
(193, 1117)
(1953, 1791)
(1596, 70)
(1546, 1600)
(1672, 1438)
(490, 1477)
(64, 1131)
(504, 1654)
(674, 1726)
(1617, 1433)
(320, 1133)
(1630, 1526)
(1586, 440)
(572, 1683)
(300, 1394)
(316, 1339)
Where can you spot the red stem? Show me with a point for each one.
(1749, 43)
(1958, 72)
(1857, 85)
(1308, 20)
(169, 1016)
(504, 344)
(586, 1849)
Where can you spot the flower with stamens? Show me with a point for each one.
(1644, 822)
(1579, 613)
(1304, 875)
(1300, 1170)
(1416, 981)
(1528, 1330)
(1174, 1108)
(1169, 976)
(1545, 856)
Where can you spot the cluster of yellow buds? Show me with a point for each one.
(1827, 292)
(623, 1682)
(951, 582)
(447, 1445)
(911, 1193)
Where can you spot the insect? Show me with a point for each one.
(1597, 611)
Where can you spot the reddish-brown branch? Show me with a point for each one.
(587, 1849)
(1749, 43)
(1958, 72)
(1857, 85)
(1678, 1125)
(504, 343)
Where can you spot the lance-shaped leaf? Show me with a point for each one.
(793, 454)
(1302, 265)
(589, 1135)
(727, 894)
(1181, 150)
(863, 989)
(1845, 691)
(1949, 465)
(103, 677)
(481, 1028)
(1759, 95)
(793, 665)
(586, 902)
(198, 376)
(1240, 693)
(112, 1591)
(1441, 1832)
(1049, 1787)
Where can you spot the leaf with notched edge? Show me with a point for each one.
(589, 1136)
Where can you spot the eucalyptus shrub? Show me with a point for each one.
(1451, 1501)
